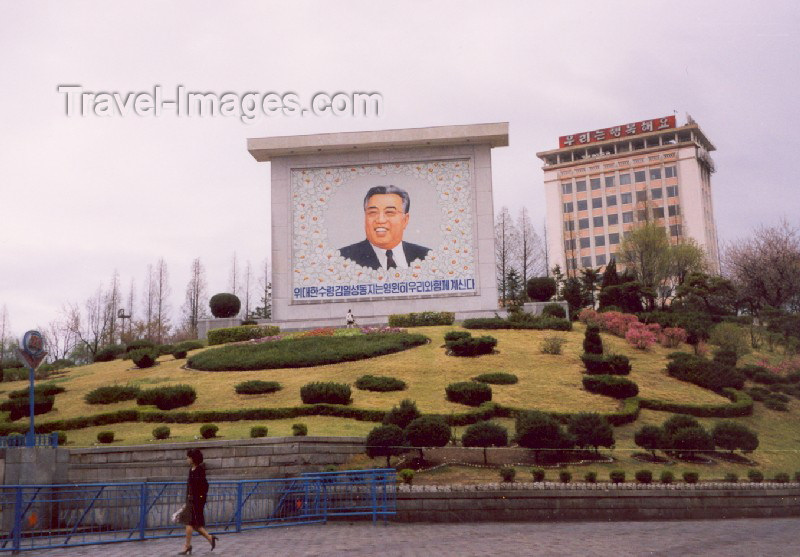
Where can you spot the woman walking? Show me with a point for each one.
(196, 491)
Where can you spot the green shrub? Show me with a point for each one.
(143, 357)
(258, 431)
(590, 477)
(179, 354)
(406, 476)
(423, 319)
(508, 473)
(161, 432)
(427, 431)
(667, 477)
(379, 383)
(589, 429)
(774, 403)
(470, 347)
(164, 349)
(257, 387)
(552, 345)
(797, 476)
(249, 322)
(677, 422)
(540, 289)
(725, 357)
(451, 336)
(325, 393)
(105, 437)
(750, 370)
(781, 478)
(471, 393)
(538, 323)
(690, 440)
(758, 393)
(565, 477)
(20, 407)
(617, 476)
(538, 430)
(138, 344)
(403, 414)
(691, 477)
(731, 477)
(167, 398)
(619, 364)
(732, 435)
(111, 394)
(731, 337)
(485, 434)
(538, 474)
(497, 378)
(208, 431)
(41, 390)
(610, 385)
(599, 364)
(303, 352)
(755, 476)
(644, 476)
(554, 310)
(241, 334)
(592, 343)
(299, 430)
(385, 440)
(189, 345)
(62, 438)
(651, 438)
(706, 374)
(109, 353)
(224, 305)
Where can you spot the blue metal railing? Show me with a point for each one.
(40, 440)
(50, 516)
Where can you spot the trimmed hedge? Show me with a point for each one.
(20, 407)
(208, 431)
(303, 352)
(299, 430)
(144, 357)
(42, 390)
(161, 432)
(537, 323)
(497, 378)
(451, 336)
(470, 347)
(703, 373)
(109, 353)
(554, 310)
(471, 393)
(599, 364)
(258, 431)
(742, 405)
(325, 393)
(610, 385)
(111, 394)
(139, 343)
(240, 334)
(224, 305)
(105, 437)
(257, 387)
(380, 383)
(167, 398)
(190, 345)
(422, 319)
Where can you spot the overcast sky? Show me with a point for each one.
(81, 197)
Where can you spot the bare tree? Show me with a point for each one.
(766, 267)
(147, 324)
(529, 249)
(196, 294)
(61, 339)
(505, 241)
(162, 309)
(247, 282)
(90, 326)
(546, 251)
(113, 298)
(264, 311)
(127, 337)
(5, 329)
(235, 278)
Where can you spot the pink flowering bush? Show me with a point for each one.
(784, 367)
(588, 316)
(641, 336)
(672, 337)
(616, 323)
(382, 330)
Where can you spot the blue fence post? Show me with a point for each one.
(374, 500)
(142, 510)
(54, 439)
(239, 504)
(17, 519)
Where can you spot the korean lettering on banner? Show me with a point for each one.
(384, 289)
(633, 128)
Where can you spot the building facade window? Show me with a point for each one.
(674, 210)
(641, 195)
(658, 212)
(586, 261)
(670, 172)
(627, 217)
(597, 222)
(613, 218)
(611, 200)
(584, 243)
(580, 185)
(600, 259)
(568, 207)
(582, 205)
(655, 173)
(626, 198)
(642, 216)
(595, 183)
(566, 188)
(583, 224)
(569, 225)
(639, 176)
(656, 193)
(624, 179)
(675, 229)
(569, 244)
(672, 191)
(597, 203)
(609, 181)
(613, 239)
(599, 241)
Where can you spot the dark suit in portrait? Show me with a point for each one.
(362, 253)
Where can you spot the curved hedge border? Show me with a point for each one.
(303, 352)
(741, 405)
(238, 334)
(538, 323)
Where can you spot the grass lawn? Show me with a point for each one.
(546, 382)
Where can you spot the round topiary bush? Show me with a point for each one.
(427, 431)
(644, 476)
(321, 392)
(161, 432)
(470, 347)
(538, 474)
(471, 393)
(541, 289)
(485, 434)
(590, 477)
(111, 394)
(731, 477)
(385, 440)
(755, 476)
(144, 357)
(105, 437)
(406, 476)
(208, 431)
(224, 305)
(554, 310)
(781, 478)
(667, 477)
(617, 476)
(507, 473)
(179, 354)
(299, 430)
(258, 431)
(109, 353)
(451, 336)
(403, 414)
(592, 343)
(379, 383)
(691, 477)
(62, 438)
(167, 398)
(257, 387)
(565, 477)
(497, 378)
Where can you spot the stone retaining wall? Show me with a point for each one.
(268, 457)
(550, 502)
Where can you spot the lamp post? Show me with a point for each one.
(32, 352)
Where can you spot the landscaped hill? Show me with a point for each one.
(552, 383)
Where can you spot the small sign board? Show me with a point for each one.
(31, 349)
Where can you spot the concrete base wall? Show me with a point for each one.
(270, 457)
(550, 502)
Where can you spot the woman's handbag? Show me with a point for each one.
(182, 515)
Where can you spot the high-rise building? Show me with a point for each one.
(600, 184)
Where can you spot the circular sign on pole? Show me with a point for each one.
(33, 343)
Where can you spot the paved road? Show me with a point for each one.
(729, 538)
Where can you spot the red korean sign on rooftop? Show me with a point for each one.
(645, 126)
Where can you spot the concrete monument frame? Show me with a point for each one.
(472, 143)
